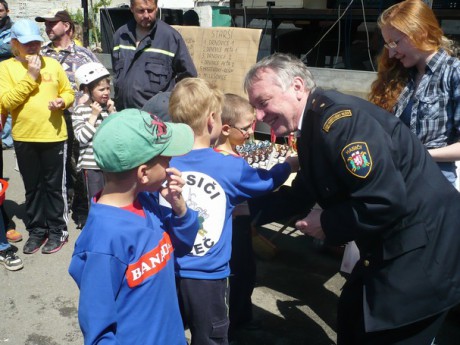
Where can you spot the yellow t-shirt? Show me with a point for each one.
(27, 100)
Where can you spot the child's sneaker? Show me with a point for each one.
(10, 260)
(55, 242)
(13, 236)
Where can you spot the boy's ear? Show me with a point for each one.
(211, 120)
(142, 176)
(226, 129)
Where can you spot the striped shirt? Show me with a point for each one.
(435, 113)
(84, 133)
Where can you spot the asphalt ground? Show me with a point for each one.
(294, 301)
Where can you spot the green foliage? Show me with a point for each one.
(93, 13)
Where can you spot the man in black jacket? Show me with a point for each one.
(148, 57)
(377, 185)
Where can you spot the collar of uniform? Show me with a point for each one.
(132, 28)
(308, 105)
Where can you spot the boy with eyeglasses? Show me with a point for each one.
(238, 120)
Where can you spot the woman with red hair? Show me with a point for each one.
(419, 80)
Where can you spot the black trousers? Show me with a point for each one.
(243, 273)
(76, 191)
(42, 168)
(94, 182)
(204, 310)
(350, 325)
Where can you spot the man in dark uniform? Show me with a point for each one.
(376, 185)
(148, 57)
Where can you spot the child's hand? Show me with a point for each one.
(96, 109)
(172, 191)
(111, 106)
(56, 104)
(34, 63)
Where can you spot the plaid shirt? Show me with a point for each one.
(435, 113)
(70, 58)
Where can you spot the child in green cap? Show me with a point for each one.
(123, 260)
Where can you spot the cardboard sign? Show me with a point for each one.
(222, 55)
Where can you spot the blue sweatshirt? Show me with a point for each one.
(215, 184)
(123, 265)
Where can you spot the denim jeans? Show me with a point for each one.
(3, 241)
(7, 139)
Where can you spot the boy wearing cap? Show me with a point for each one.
(123, 260)
(35, 91)
(216, 183)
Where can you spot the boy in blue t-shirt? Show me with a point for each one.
(123, 262)
(215, 184)
(238, 122)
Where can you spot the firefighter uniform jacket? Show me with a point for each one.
(379, 186)
(153, 66)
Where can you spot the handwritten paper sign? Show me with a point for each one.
(222, 55)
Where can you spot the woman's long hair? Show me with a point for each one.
(418, 22)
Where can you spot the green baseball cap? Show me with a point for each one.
(132, 137)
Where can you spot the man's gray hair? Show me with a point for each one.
(286, 67)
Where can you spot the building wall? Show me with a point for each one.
(32, 8)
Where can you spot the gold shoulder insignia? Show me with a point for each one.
(334, 117)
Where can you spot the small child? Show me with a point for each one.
(8, 257)
(238, 120)
(215, 184)
(93, 79)
(123, 260)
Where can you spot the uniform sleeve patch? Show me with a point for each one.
(357, 158)
(334, 117)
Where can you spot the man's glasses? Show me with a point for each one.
(393, 44)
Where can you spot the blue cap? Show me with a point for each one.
(25, 31)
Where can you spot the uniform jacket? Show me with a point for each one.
(379, 186)
(153, 66)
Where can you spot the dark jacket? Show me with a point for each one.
(153, 66)
(5, 33)
(380, 187)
